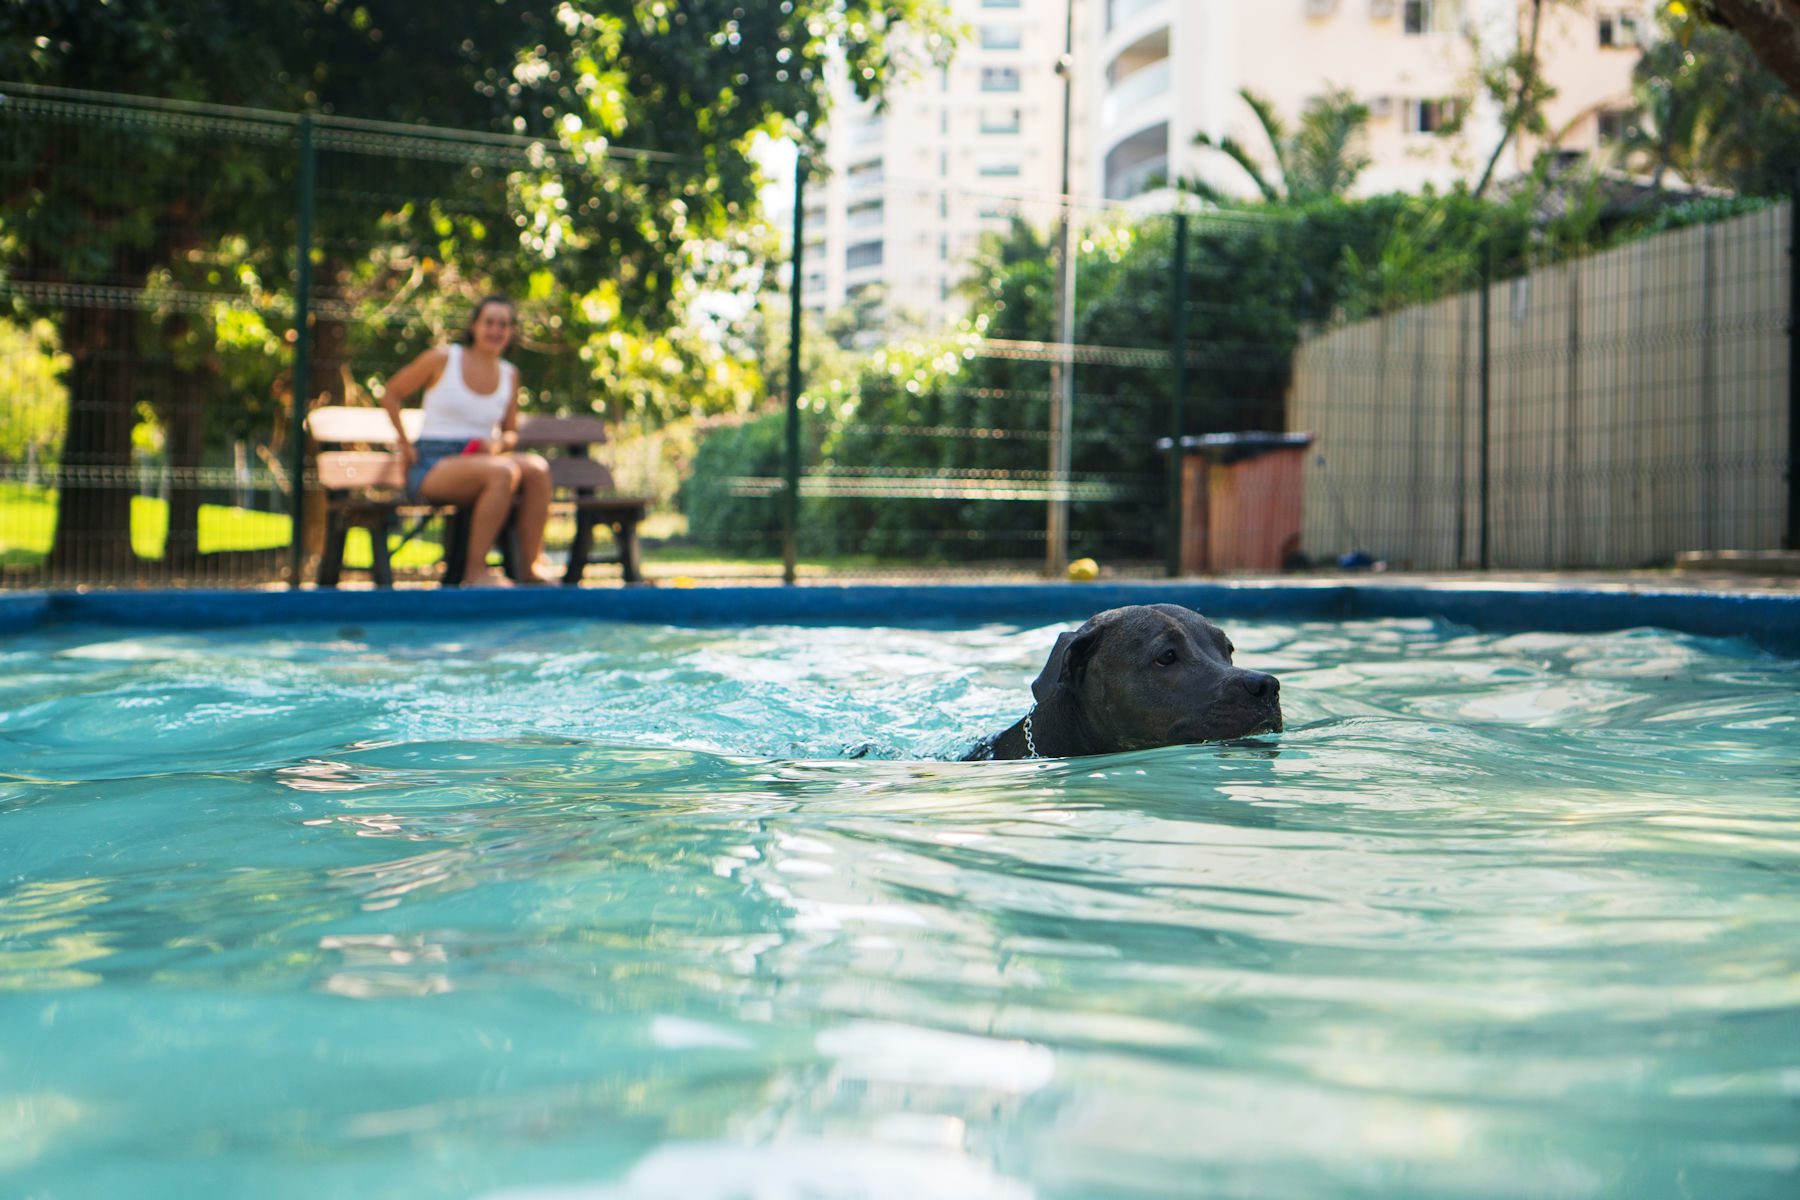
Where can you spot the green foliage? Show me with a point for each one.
(1260, 278)
(1713, 114)
(1321, 159)
(33, 401)
(717, 514)
(612, 252)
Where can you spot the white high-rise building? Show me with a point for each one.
(908, 191)
(1167, 70)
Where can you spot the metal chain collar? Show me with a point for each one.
(1030, 743)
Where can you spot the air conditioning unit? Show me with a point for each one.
(1381, 107)
(1381, 10)
(1320, 8)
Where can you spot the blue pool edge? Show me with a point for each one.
(1771, 620)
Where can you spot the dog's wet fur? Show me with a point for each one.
(1135, 678)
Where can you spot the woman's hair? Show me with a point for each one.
(467, 337)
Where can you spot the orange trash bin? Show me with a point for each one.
(1241, 499)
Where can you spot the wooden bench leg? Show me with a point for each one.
(381, 559)
(331, 562)
(456, 547)
(581, 549)
(631, 562)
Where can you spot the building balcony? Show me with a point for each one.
(1120, 13)
(1130, 23)
(1125, 102)
(1138, 163)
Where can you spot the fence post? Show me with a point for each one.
(302, 390)
(790, 506)
(1484, 392)
(1791, 535)
(1178, 359)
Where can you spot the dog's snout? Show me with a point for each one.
(1259, 685)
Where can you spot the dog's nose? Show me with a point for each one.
(1259, 685)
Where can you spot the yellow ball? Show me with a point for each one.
(1084, 570)
(682, 581)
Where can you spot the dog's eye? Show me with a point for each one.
(1230, 649)
(1166, 658)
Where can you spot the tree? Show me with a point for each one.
(33, 402)
(1321, 159)
(1515, 81)
(1713, 114)
(690, 83)
(1771, 28)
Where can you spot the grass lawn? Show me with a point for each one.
(28, 521)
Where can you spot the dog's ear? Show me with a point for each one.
(1068, 662)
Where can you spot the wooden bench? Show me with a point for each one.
(365, 486)
(590, 496)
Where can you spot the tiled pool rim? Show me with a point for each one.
(1771, 620)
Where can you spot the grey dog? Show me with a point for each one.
(1132, 678)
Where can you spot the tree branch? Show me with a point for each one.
(1515, 115)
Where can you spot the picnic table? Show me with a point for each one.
(365, 486)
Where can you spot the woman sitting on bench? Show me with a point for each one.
(464, 455)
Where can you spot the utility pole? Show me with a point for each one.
(1062, 367)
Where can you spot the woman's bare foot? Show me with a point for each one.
(487, 578)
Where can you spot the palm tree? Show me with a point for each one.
(1320, 159)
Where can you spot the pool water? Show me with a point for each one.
(590, 910)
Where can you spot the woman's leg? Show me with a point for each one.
(485, 484)
(534, 511)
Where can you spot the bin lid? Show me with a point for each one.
(1232, 447)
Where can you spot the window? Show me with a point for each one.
(1002, 170)
(999, 79)
(1431, 116)
(1431, 16)
(863, 254)
(999, 3)
(865, 214)
(1615, 125)
(1001, 120)
(1619, 31)
(866, 172)
(1001, 37)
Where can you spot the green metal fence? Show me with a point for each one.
(175, 275)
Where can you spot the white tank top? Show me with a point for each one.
(455, 413)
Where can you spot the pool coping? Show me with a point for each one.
(1770, 620)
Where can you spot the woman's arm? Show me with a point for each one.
(421, 372)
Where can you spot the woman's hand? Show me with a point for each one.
(408, 454)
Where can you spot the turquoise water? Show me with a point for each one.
(605, 911)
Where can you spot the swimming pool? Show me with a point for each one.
(601, 909)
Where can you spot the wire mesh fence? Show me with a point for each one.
(1478, 394)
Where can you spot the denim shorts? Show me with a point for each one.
(430, 451)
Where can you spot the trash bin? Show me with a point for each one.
(1240, 500)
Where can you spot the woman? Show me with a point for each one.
(465, 453)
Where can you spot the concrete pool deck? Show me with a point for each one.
(1767, 614)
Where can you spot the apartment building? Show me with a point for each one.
(1167, 70)
(908, 191)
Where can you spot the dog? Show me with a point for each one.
(1134, 678)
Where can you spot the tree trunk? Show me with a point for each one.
(183, 412)
(1771, 28)
(1515, 117)
(93, 504)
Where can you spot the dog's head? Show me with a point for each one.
(1153, 675)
